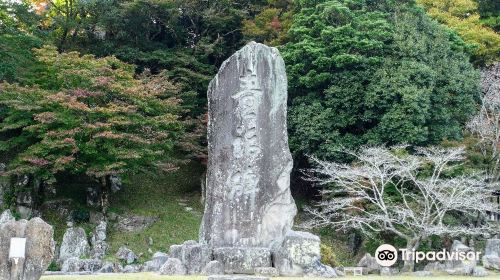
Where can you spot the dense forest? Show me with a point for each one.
(96, 91)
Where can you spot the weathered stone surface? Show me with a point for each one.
(39, 247)
(369, 264)
(242, 260)
(173, 266)
(435, 266)
(74, 244)
(491, 258)
(479, 272)
(109, 267)
(236, 277)
(299, 251)
(213, 268)
(6, 217)
(388, 271)
(248, 201)
(457, 267)
(126, 255)
(156, 262)
(134, 223)
(175, 251)
(317, 269)
(132, 268)
(422, 273)
(116, 183)
(98, 241)
(79, 265)
(266, 271)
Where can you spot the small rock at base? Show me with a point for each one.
(173, 266)
(213, 268)
(479, 272)
(422, 273)
(266, 271)
(236, 277)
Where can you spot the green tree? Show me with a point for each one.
(463, 17)
(94, 118)
(372, 72)
(271, 25)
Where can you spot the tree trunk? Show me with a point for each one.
(409, 264)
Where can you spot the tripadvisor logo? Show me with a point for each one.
(387, 255)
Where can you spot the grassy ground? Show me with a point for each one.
(163, 196)
(166, 198)
(151, 276)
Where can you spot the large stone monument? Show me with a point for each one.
(32, 252)
(249, 210)
(248, 200)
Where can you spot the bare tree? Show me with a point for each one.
(486, 125)
(388, 189)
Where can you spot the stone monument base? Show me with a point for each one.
(243, 260)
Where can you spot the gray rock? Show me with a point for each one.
(74, 244)
(242, 260)
(127, 255)
(173, 266)
(109, 267)
(435, 266)
(479, 272)
(388, 271)
(266, 271)
(491, 258)
(132, 268)
(248, 200)
(175, 251)
(298, 252)
(156, 263)
(93, 196)
(369, 264)
(236, 277)
(80, 265)
(422, 273)
(116, 183)
(213, 268)
(24, 204)
(98, 241)
(458, 267)
(134, 223)
(6, 217)
(40, 247)
(320, 270)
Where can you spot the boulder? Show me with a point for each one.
(435, 266)
(6, 217)
(109, 267)
(236, 277)
(242, 260)
(74, 244)
(422, 273)
(298, 251)
(213, 268)
(173, 266)
(98, 241)
(266, 271)
(369, 264)
(479, 272)
(134, 223)
(39, 251)
(248, 202)
(116, 183)
(491, 258)
(132, 268)
(156, 262)
(320, 270)
(127, 255)
(80, 265)
(458, 267)
(194, 256)
(388, 271)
